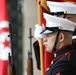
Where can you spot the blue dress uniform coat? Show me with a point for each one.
(74, 40)
(64, 62)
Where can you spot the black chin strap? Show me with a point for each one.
(56, 41)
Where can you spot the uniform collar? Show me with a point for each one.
(61, 51)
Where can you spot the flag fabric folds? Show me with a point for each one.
(5, 47)
(46, 61)
(68, 1)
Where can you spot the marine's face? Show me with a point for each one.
(71, 17)
(49, 41)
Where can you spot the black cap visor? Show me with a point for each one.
(50, 30)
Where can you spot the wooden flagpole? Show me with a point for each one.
(41, 40)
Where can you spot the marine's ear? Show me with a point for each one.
(61, 37)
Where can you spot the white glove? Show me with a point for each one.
(38, 30)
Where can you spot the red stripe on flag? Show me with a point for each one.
(47, 59)
(3, 10)
(4, 30)
(3, 67)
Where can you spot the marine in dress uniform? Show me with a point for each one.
(63, 8)
(59, 9)
(64, 57)
(69, 12)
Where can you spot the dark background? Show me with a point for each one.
(15, 19)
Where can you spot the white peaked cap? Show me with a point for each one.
(62, 6)
(53, 21)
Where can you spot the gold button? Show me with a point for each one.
(51, 62)
(54, 54)
(65, 12)
(65, 53)
(47, 69)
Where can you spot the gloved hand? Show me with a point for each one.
(38, 30)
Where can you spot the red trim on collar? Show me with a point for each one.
(36, 43)
(74, 40)
(63, 55)
(62, 48)
(57, 73)
(68, 56)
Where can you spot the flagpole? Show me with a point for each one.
(41, 40)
